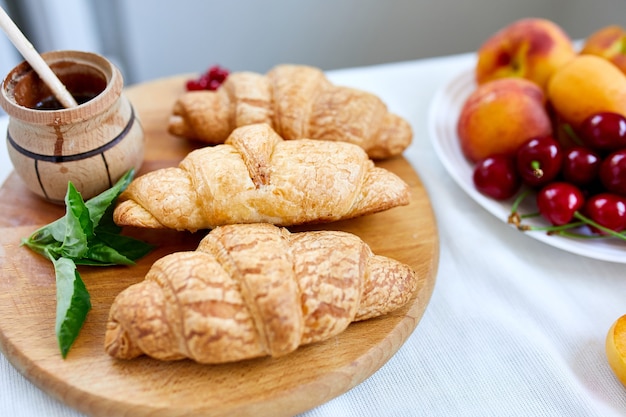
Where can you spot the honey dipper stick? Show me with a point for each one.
(35, 60)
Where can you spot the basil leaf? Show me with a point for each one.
(105, 254)
(106, 224)
(99, 204)
(73, 303)
(46, 234)
(100, 210)
(92, 262)
(86, 235)
(51, 250)
(52, 233)
(120, 253)
(78, 225)
(129, 247)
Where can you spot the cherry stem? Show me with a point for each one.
(516, 219)
(536, 167)
(519, 200)
(563, 230)
(551, 229)
(580, 235)
(569, 130)
(606, 230)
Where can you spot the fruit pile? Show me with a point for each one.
(548, 121)
(211, 79)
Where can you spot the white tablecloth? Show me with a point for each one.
(515, 327)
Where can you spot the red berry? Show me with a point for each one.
(209, 80)
(605, 131)
(213, 85)
(496, 177)
(613, 172)
(218, 73)
(193, 85)
(608, 210)
(558, 202)
(204, 81)
(539, 160)
(580, 166)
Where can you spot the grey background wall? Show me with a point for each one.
(155, 38)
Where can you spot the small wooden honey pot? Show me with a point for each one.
(92, 144)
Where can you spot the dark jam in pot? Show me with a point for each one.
(83, 82)
(52, 103)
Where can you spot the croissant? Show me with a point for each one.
(258, 177)
(252, 290)
(298, 102)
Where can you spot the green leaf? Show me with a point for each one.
(47, 236)
(78, 225)
(100, 210)
(107, 225)
(85, 235)
(99, 204)
(73, 303)
(51, 250)
(104, 254)
(129, 247)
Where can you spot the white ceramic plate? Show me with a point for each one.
(443, 116)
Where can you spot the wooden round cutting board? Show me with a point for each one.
(95, 384)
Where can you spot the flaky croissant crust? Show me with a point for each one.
(254, 290)
(257, 177)
(298, 101)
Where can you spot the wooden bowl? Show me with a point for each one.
(91, 145)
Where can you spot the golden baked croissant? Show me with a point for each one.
(258, 177)
(253, 290)
(298, 102)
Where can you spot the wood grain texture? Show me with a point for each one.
(97, 385)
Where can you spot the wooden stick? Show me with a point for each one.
(35, 60)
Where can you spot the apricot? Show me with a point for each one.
(584, 86)
(616, 348)
(499, 116)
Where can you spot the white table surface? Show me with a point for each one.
(515, 327)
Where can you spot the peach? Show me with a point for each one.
(608, 43)
(585, 86)
(531, 48)
(500, 115)
(616, 348)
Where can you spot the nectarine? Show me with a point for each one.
(531, 48)
(608, 43)
(585, 86)
(500, 115)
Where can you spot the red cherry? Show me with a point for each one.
(559, 201)
(539, 160)
(608, 210)
(218, 73)
(613, 172)
(496, 177)
(605, 131)
(580, 166)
